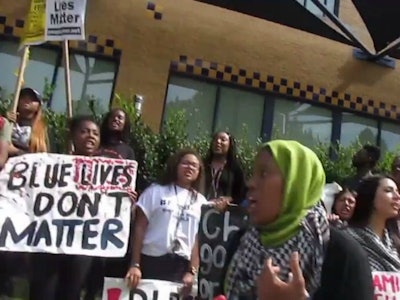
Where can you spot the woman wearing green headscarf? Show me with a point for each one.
(290, 253)
(284, 206)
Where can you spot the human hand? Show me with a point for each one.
(133, 277)
(270, 286)
(12, 116)
(221, 203)
(188, 280)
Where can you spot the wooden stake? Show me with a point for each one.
(68, 95)
(20, 78)
(67, 78)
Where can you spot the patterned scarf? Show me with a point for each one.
(249, 260)
(382, 255)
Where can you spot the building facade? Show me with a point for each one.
(226, 69)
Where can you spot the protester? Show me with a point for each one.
(62, 276)
(364, 161)
(224, 175)
(115, 131)
(114, 143)
(378, 201)
(29, 131)
(167, 220)
(342, 208)
(58, 276)
(396, 170)
(290, 234)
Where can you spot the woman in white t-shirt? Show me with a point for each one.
(167, 220)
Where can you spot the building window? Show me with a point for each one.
(196, 98)
(92, 81)
(91, 78)
(356, 129)
(390, 137)
(332, 6)
(42, 62)
(240, 113)
(303, 122)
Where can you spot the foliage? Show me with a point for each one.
(153, 148)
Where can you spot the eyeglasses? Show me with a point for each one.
(190, 164)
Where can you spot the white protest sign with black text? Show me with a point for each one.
(116, 289)
(66, 204)
(65, 20)
(387, 285)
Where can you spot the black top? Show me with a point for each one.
(230, 183)
(346, 274)
(118, 150)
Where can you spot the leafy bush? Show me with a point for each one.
(153, 149)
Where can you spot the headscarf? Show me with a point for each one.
(301, 226)
(304, 179)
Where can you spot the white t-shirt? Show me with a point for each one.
(174, 215)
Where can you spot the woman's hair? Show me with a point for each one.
(39, 139)
(106, 133)
(231, 156)
(338, 195)
(365, 199)
(171, 173)
(77, 121)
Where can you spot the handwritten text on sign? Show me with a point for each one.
(387, 285)
(217, 233)
(116, 289)
(65, 19)
(66, 204)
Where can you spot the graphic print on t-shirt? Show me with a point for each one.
(21, 136)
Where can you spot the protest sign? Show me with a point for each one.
(219, 233)
(34, 30)
(55, 20)
(66, 204)
(65, 20)
(386, 285)
(116, 289)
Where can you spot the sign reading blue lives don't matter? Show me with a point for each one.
(219, 236)
(66, 204)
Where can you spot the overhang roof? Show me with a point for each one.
(381, 18)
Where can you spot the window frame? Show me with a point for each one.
(59, 63)
(269, 105)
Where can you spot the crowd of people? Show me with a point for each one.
(295, 247)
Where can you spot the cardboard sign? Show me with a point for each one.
(116, 289)
(65, 20)
(387, 285)
(66, 204)
(219, 235)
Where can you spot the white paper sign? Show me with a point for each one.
(116, 289)
(65, 20)
(386, 285)
(66, 204)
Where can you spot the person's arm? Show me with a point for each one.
(346, 274)
(143, 210)
(140, 227)
(194, 258)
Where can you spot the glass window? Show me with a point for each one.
(358, 129)
(310, 125)
(390, 137)
(330, 4)
(196, 98)
(241, 113)
(91, 80)
(40, 66)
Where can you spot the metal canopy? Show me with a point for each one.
(381, 18)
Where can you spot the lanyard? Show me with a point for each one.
(189, 200)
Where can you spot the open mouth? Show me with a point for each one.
(90, 144)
